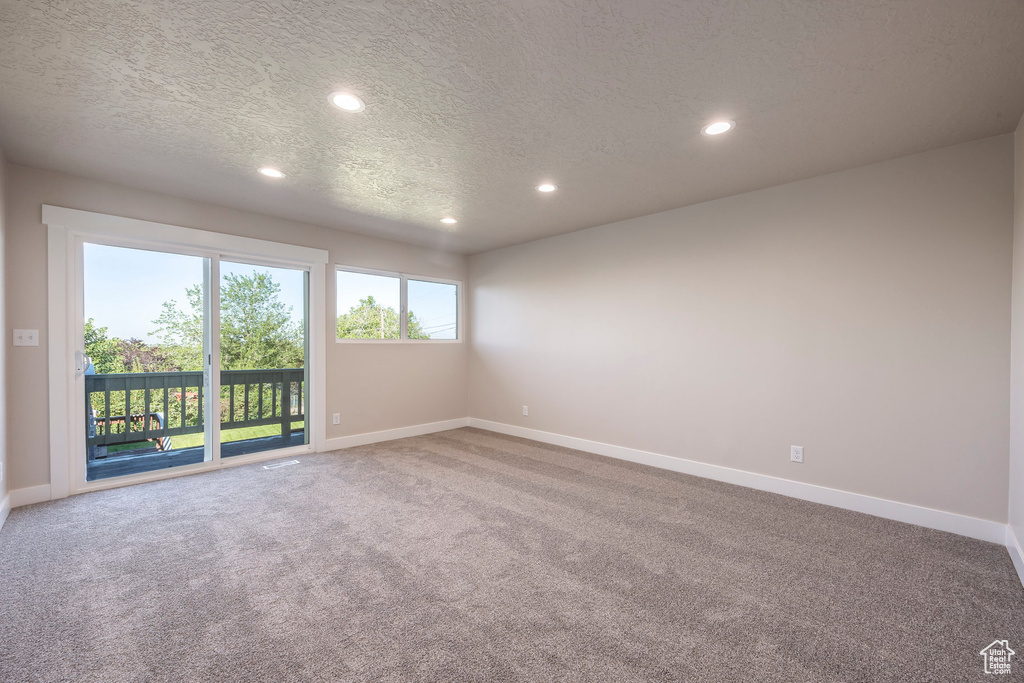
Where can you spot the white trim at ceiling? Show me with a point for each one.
(173, 235)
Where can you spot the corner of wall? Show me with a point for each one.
(1015, 513)
(5, 501)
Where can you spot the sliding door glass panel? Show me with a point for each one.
(368, 306)
(143, 333)
(433, 310)
(264, 342)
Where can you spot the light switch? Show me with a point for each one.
(26, 337)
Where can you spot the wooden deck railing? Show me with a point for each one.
(155, 406)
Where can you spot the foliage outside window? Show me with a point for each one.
(369, 307)
(257, 332)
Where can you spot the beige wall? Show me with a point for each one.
(4, 421)
(1017, 369)
(863, 315)
(374, 387)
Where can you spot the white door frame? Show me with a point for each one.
(67, 229)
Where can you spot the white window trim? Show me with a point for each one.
(403, 305)
(66, 229)
(458, 307)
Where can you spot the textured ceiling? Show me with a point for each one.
(471, 103)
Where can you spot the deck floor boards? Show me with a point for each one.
(152, 460)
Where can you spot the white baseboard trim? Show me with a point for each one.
(340, 442)
(985, 530)
(5, 509)
(972, 527)
(1016, 548)
(30, 495)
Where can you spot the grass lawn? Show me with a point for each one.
(226, 435)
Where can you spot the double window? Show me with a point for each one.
(375, 305)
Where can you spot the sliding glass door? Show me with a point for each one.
(187, 358)
(143, 360)
(264, 345)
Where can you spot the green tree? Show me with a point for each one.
(371, 320)
(181, 331)
(256, 327)
(413, 329)
(257, 330)
(138, 356)
(102, 350)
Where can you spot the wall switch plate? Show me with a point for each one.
(26, 337)
(796, 453)
(336, 418)
(526, 411)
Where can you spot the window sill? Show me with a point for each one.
(397, 341)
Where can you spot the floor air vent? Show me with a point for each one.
(275, 465)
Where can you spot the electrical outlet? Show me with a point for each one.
(526, 411)
(336, 419)
(796, 453)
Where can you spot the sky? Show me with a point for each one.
(125, 288)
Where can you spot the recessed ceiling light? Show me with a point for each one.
(547, 187)
(449, 221)
(718, 127)
(271, 172)
(347, 101)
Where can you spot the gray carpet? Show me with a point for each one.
(471, 556)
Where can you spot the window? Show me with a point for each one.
(371, 305)
(433, 310)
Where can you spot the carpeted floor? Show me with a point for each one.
(471, 556)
